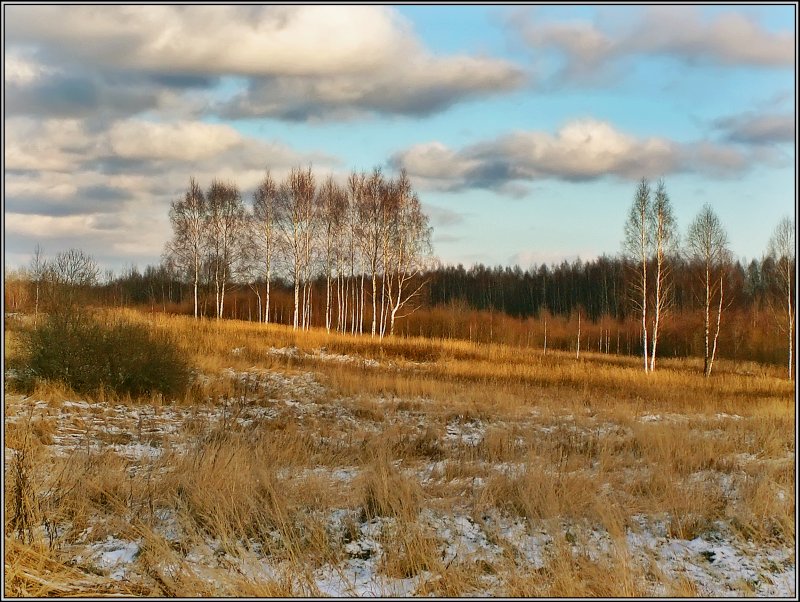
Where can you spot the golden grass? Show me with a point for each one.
(594, 441)
(34, 571)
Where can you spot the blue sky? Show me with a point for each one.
(524, 129)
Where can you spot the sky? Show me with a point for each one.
(524, 129)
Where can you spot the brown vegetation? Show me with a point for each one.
(303, 451)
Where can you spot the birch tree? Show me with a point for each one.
(664, 236)
(782, 251)
(225, 221)
(707, 245)
(344, 246)
(265, 231)
(38, 270)
(189, 235)
(295, 204)
(372, 222)
(332, 205)
(637, 248)
(252, 262)
(356, 184)
(410, 251)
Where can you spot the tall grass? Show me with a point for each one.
(589, 443)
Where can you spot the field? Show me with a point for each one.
(314, 464)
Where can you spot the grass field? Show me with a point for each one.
(321, 464)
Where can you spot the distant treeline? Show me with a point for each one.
(496, 304)
(598, 288)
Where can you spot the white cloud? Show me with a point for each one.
(107, 190)
(48, 145)
(47, 226)
(301, 62)
(257, 40)
(23, 71)
(176, 141)
(681, 32)
(581, 150)
(729, 39)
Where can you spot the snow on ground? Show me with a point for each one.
(468, 433)
(320, 354)
(112, 556)
(683, 418)
(719, 562)
(358, 578)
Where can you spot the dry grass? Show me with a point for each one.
(34, 571)
(290, 459)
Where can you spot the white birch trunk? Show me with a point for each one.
(716, 334)
(706, 367)
(657, 316)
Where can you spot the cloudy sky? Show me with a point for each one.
(524, 129)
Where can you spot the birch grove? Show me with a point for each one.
(366, 240)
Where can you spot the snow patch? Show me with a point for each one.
(114, 555)
(468, 433)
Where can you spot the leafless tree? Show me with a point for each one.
(344, 256)
(782, 251)
(74, 268)
(707, 245)
(664, 237)
(69, 274)
(409, 251)
(332, 205)
(189, 235)
(637, 247)
(38, 269)
(265, 231)
(295, 204)
(373, 214)
(225, 222)
(252, 261)
(356, 185)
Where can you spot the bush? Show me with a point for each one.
(88, 356)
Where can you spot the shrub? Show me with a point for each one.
(89, 356)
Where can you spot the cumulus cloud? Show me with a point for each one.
(299, 62)
(244, 40)
(581, 150)
(414, 85)
(108, 190)
(189, 141)
(110, 238)
(60, 89)
(590, 49)
(758, 128)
